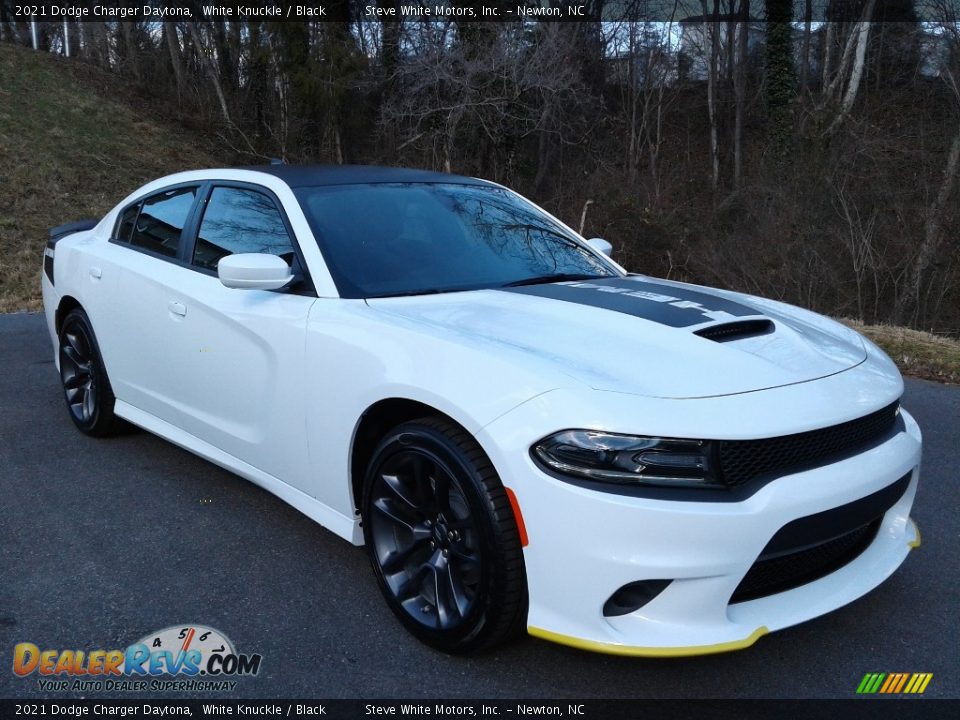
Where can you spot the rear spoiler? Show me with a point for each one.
(58, 233)
(61, 231)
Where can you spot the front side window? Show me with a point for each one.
(161, 220)
(412, 238)
(238, 220)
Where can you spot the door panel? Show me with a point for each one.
(224, 365)
(236, 364)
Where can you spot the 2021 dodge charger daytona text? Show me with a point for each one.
(522, 434)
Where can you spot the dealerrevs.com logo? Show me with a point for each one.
(178, 658)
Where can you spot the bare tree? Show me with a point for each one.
(739, 87)
(211, 70)
(933, 235)
(172, 40)
(711, 27)
(859, 37)
(805, 51)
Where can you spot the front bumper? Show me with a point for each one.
(585, 545)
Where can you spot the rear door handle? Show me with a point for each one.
(95, 273)
(177, 308)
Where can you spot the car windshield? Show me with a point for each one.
(416, 238)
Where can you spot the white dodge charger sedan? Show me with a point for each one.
(522, 434)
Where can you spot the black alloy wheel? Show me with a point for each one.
(442, 539)
(86, 387)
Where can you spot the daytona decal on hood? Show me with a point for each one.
(664, 304)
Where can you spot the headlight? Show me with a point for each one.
(628, 459)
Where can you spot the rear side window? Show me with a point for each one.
(160, 222)
(238, 220)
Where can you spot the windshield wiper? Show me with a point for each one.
(408, 293)
(556, 277)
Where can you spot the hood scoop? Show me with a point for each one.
(736, 330)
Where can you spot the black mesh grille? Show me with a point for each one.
(785, 572)
(743, 460)
(810, 547)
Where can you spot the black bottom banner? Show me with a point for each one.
(855, 709)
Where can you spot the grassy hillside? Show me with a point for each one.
(69, 151)
(917, 353)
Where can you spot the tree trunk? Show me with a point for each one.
(130, 49)
(3, 21)
(225, 60)
(862, 33)
(101, 41)
(932, 237)
(176, 56)
(632, 104)
(739, 89)
(828, 41)
(211, 70)
(544, 150)
(780, 75)
(710, 36)
(805, 52)
(390, 43)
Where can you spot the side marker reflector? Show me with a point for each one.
(518, 516)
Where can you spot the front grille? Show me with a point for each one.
(744, 460)
(811, 547)
(786, 572)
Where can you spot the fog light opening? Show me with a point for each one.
(633, 596)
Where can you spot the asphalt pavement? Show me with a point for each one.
(105, 541)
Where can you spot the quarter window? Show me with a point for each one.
(160, 224)
(127, 219)
(238, 220)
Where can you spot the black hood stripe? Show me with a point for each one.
(660, 303)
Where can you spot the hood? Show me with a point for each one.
(643, 336)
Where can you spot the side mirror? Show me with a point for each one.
(601, 245)
(253, 271)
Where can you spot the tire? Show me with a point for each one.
(442, 540)
(86, 387)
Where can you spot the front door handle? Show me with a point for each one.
(95, 273)
(177, 308)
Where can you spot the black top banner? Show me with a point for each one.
(673, 11)
(576, 709)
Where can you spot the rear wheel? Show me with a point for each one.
(86, 387)
(442, 539)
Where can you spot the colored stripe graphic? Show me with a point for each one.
(903, 680)
(894, 683)
(891, 678)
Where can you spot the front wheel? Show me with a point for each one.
(442, 539)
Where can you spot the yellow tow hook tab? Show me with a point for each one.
(915, 543)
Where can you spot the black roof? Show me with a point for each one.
(312, 175)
